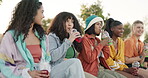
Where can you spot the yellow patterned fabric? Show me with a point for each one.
(6, 58)
(116, 60)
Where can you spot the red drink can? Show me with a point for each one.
(78, 39)
(45, 72)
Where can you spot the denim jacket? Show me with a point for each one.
(57, 50)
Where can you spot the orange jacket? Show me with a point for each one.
(90, 52)
(130, 47)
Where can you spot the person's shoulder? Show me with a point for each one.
(7, 36)
(85, 37)
(9, 33)
(52, 34)
(129, 39)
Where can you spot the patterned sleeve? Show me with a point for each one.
(11, 64)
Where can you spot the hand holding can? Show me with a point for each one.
(79, 39)
(44, 67)
(105, 34)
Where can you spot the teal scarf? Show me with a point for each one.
(26, 53)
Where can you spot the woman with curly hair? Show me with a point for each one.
(63, 46)
(23, 45)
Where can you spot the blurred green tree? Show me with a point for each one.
(127, 30)
(94, 9)
(0, 1)
(146, 37)
(97, 9)
(46, 23)
(145, 27)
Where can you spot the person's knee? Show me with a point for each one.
(88, 75)
(143, 72)
(104, 74)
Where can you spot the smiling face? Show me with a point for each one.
(39, 16)
(118, 30)
(138, 29)
(69, 25)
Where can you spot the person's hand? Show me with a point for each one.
(145, 64)
(142, 55)
(65, 59)
(45, 74)
(73, 35)
(105, 42)
(132, 70)
(38, 74)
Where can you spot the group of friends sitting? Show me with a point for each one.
(65, 51)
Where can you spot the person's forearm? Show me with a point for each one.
(131, 59)
(141, 61)
(57, 52)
